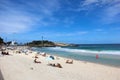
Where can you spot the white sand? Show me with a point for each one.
(22, 67)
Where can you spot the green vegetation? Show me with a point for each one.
(44, 43)
(1, 41)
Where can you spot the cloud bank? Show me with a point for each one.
(20, 16)
(23, 15)
(110, 9)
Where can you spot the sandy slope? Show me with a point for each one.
(22, 67)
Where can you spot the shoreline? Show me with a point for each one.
(85, 61)
(104, 59)
(23, 63)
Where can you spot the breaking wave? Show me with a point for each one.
(113, 52)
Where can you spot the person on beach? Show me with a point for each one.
(69, 61)
(36, 56)
(58, 65)
(5, 53)
(44, 54)
(55, 65)
(35, 61)
(97, 56)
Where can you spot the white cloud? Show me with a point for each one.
(99, 30)
(61, 34)
(98, 2)
(45, 7)
(68, 21)
(112, 13)
(89, 2)
(71, 33)
(14, 21)
(109, 9)
(20, 16)
(86, 5)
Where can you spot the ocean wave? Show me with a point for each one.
(85, 51)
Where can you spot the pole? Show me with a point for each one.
(42, 42)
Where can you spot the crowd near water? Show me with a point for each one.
(106, 54)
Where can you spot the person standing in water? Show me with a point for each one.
(97, 56)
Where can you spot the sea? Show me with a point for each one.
(105, 54)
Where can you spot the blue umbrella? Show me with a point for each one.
(49, 59)
(52, 57)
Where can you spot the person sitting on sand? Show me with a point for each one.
(36, 56)
(35, 61)
(69, 61)
(5, 53)
(44, 54)
(58, 65)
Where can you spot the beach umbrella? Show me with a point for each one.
(52, 57)
(49, 59)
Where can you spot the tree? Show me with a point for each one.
(44, 43)
(1, 41)
(8, 43)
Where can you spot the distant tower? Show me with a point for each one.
(42, 42)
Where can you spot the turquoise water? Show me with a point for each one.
(108, 54)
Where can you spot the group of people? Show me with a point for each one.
(36, 59)
(52, 64)
(4, 53)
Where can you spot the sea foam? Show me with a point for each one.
(113, 52)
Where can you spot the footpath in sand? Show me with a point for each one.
(22, 67)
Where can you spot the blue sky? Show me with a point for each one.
(69, 21)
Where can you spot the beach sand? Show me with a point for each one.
(22, 67)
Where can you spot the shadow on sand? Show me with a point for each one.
(1, 76)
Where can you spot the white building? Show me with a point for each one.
(12, 43)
